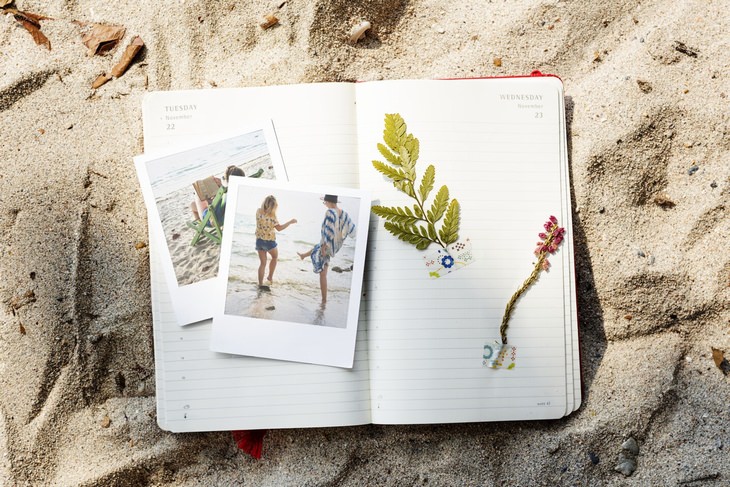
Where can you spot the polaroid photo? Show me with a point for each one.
(291, 272)
(186, 192)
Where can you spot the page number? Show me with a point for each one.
(538, 114)
(170, 126)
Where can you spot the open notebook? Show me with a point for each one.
(500, 146)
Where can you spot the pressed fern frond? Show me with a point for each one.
(417, 226)
(398, 215)
(429, 177)
(439, 205)
(390, 172)
(409, 234)
(389, 156)
(449, 232)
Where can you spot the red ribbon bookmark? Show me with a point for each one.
(250, 441)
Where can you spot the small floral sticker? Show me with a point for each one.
(497, 355)
(488, 351)
(445, 261)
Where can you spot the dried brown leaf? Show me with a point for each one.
(100, 80)
(35, 31)
(129, 54)
(644, 86)
(685, 49)
(35, 18)
(718, 356)
(5, 3)
(101, 38)
(662, 200)
(30, 22)
(17, 302)
(22, 329)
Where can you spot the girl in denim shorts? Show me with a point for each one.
(266, 227)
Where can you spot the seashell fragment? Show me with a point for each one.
(626, 467)
(631, 446)
(269, 20)
(358, 31)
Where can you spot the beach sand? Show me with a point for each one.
(647, 86)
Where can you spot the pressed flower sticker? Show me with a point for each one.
(445, 261)
(549, 243)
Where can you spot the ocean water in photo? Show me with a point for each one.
(170, 173)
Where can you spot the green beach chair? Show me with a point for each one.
(214, 232)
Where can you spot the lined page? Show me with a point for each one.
(200, 390)
(503, 164)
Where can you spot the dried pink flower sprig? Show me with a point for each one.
(549, 242)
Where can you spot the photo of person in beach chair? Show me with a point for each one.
(209, 205)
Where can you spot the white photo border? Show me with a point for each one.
(284, 340)
(194, 302)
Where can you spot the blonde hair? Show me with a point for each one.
(268, 207)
